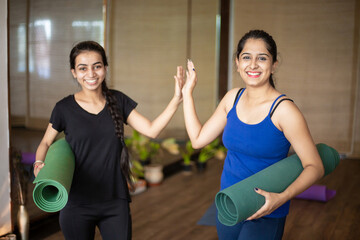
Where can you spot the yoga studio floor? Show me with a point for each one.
(171, 211)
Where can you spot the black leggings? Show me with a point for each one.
(113, 219)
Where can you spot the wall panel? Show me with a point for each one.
(203, 53)
(148, 39)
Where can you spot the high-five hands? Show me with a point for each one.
(188, 85)
(179, 81)
(191, 78)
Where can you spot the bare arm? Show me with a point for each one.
(201, 135)
(297, 132)
(295, 128)
(153, 128)
(47, 140)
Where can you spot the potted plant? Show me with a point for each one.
(145, 150)
(171, 146)
(137, 177)
(214, 149)
(186, 155)
(142, 147)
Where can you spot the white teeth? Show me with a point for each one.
(90, 81)
(253, 74)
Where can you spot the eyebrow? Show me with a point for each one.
(83, 64)
(258, 54)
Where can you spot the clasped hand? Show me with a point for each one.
(272, 202)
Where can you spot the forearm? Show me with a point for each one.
(308, 177)
(155, 127)
(41, 151)
(45, 143)
(192, 122)
(40, 157)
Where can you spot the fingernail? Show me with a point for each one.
(256, 189)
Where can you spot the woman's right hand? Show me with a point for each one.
(37, 167)
(191, 78)
(179, 82)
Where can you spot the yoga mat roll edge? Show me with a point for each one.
(54, 180)
(239, 201)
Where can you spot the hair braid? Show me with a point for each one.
(119, 129)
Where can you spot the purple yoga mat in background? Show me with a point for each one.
(27, 158)
(318, 193)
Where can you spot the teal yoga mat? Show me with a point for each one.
(239, 201)
(54, 180)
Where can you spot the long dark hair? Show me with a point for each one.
(270, 46)
(111, 101)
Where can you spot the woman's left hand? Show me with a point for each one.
(272, 202)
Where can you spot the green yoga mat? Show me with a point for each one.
(54, 180)
(239, 201)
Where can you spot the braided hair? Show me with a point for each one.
(111, 101)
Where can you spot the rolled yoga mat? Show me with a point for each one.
(239, 201)
(54, 180)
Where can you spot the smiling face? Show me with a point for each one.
(89, 70)
(255, 63)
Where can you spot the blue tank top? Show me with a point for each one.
(251, 148)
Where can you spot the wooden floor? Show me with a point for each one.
(170, 211)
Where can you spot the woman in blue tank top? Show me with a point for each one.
(255, 135)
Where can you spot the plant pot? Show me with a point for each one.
(201, 166)
(154, 174)
(145, 162)
(188, 168)
(140, 186)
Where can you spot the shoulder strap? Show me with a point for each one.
(237, 95)
(273, 110)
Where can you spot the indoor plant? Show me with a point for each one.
(144, 150)
(139, 184)
(186, 155)
(171, 146)
(213, 149)
(142, 147)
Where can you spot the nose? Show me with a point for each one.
(253, 64)
(91, 72)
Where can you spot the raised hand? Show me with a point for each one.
(179, 81)
(191, 78)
